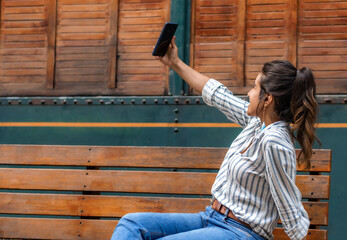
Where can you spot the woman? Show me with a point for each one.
(255, 185)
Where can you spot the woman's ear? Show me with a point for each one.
(268, 100)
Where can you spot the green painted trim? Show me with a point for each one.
(137, 100)
(180, 13)
(143, 125)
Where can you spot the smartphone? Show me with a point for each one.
(164, 39)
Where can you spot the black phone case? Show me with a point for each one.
(164, 40)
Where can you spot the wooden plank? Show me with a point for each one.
(51, 34)
(75, 229)
(313, 234)
(102, 180)
(44, 228)
(118, 206)
(118, 156)
(24, 3)
(311, 186)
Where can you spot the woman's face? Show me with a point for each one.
(253, 96)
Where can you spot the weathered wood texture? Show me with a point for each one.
(74, 47)
(307, 33)
(109, 182)
(103, 47)
(322, 42)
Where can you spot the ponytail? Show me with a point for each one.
(294, 98)
(304, 108)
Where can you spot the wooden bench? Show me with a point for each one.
(79, 192)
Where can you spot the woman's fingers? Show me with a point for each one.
(173, 42)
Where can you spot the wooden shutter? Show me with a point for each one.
(23, 46)
(322, 43)
(269, 34)
(84, 46)
(140, 24)
(215, 48)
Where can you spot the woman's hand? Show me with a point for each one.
(171, 56)
(195, 79)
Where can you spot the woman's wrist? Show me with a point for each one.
(175, 63)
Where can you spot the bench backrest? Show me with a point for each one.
(80, 192)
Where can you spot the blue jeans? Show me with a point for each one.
(178, 226)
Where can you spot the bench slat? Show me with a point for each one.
(70, 229)
(119, 156)
(313, 234)
(117, 206)
(76, 229)
(311, 186)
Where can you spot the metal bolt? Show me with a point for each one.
(43, 102)
(328, 100)
(144, 101)
(156, 101)
(166, 101)
(101, 101)
(177, 101)
(176, 120)
(89, 102)
(122, 101)
(133, 101)
(75, 101)
(176, 130)
(187, 101)
(176, 110)
(197, 101)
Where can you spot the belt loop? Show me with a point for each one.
(226, 213)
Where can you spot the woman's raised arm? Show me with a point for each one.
(194, 79)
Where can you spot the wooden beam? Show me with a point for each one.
(112, 43)
(51, 43)
(1, 35)
(240, 46)
(292, 27)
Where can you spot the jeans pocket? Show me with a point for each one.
(241, 233)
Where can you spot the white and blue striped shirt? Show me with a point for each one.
(259, 184)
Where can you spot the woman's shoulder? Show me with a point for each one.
(278, 134)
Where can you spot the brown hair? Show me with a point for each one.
(294, 97)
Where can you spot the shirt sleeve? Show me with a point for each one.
(280, 174)
(216, 94)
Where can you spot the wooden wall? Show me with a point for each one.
(82, 47)
(232, 39)
(103, 47)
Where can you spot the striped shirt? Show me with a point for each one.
(259, 184)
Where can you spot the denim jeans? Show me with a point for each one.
(207, 225)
